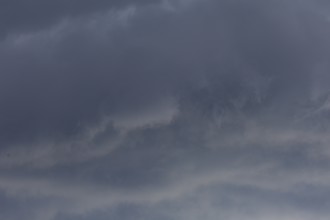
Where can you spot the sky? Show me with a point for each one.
(164, 109)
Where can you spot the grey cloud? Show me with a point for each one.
(73, 94)
(19, 15)
(209, 109)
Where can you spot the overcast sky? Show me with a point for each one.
(164, 109)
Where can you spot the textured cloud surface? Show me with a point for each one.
(170, 110)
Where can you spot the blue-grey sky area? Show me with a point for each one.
(164, 110)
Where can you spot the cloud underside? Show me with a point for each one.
(164, 110)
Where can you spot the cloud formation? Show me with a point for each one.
(164, 110)
(20, 16)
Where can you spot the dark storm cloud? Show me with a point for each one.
(198, 109)
(72, 75)
(24, 15)
(54, 88)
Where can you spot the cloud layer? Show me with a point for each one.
(164, 110)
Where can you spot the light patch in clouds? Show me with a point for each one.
(160, 114)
